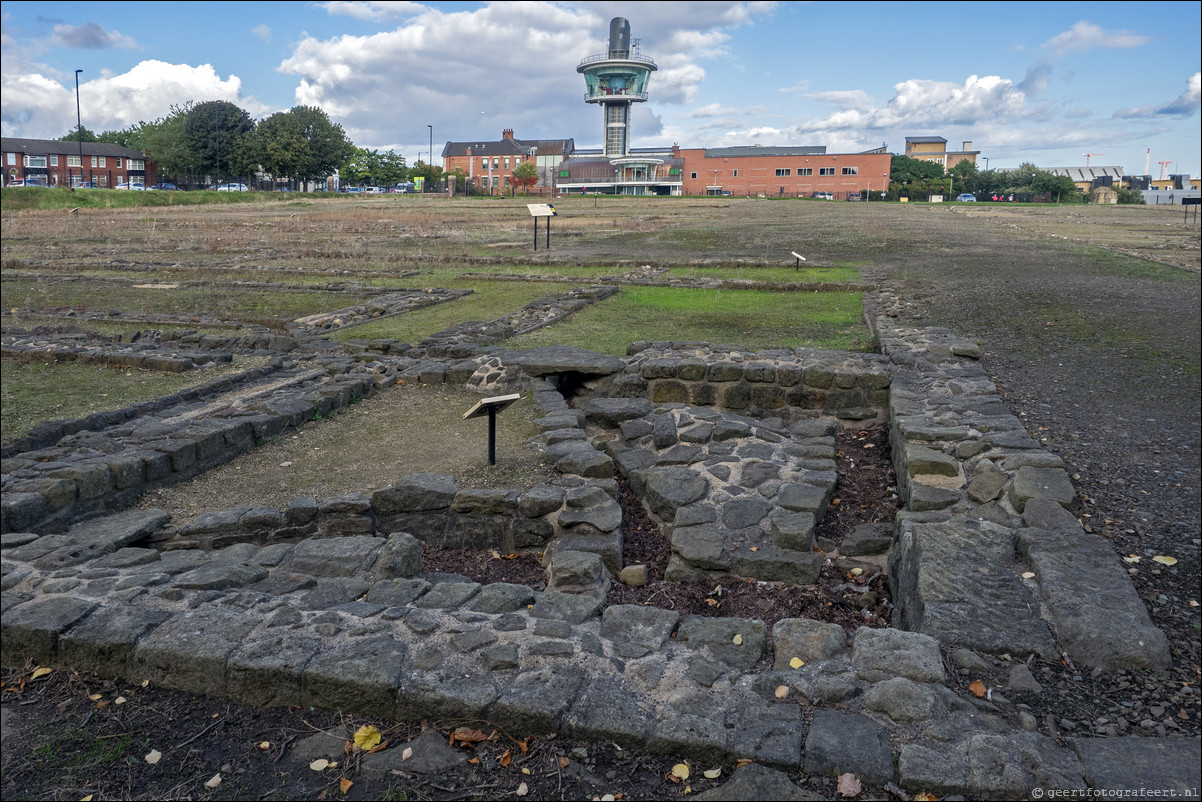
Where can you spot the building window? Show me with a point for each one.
(118, 162)
(506, 162)
(692, 175)
(938, 161)
(496, 162)
(73, 161)
(735, 173)
(674, 171)
(54, 161)
(851, 171)
(12, 159)
(484, 163)
(135, 164)
(781, 172)
(35, 161)
(805, 170)
(563, 173)
(826, 171)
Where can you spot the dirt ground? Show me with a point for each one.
(1096, 350)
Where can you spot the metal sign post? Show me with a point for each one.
(800, 259)
(490, 407)
(538, 210)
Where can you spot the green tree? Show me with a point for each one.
(81, 134)
(215, 132)
(525, 175)
(301, 143)
(904, 169)
(165, 142)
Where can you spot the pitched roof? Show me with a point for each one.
(45, 147)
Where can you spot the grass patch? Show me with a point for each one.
(776, 275)
(216, 300)
(23, 198)
(747, 318)
(36, 392)
(491, 300)
(372, 444)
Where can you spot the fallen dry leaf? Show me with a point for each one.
(923, 796)
(366, 737)
(40, 672)
(737, 640)
(407, 753)
(1164, 560)
(321, 764)
(743, 761)
(796, 662)
(345, 785)
(265, 745)
(154, 756)
(120, 700)
(214, 781)
(978, 688)
(782, 691)
(849, 786)
(522, 790)
(681, 771)
(564, 762)
(95, 697)
(505, 759)
(468, 735)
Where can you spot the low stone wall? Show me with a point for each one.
(785, 383)
(132, 355)
(428, 504)
(353, 624)
(988, 553)
(92, 472)
(381, 306)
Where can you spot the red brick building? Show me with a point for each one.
(488, 165)
(783, 171)
(52, 162)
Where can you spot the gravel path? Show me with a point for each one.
(1099, 354)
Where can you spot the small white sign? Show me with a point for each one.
(541, 210)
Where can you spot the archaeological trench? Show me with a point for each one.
(326, 604)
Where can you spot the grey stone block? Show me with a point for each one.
(360, 676)
(738, 642)
(268, 672)
(806, 640)
(189, 651)
(536, 700)
(839, 743)
(879, 654)
(31, 631)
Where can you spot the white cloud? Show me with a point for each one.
(1087, 36)
(90, 36)
(516, 61)
(1185, 105)
(262, 31)
(855, 99)
(37, 105)
(373, 10)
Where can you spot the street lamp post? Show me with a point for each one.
(431, 127)
(78, 131)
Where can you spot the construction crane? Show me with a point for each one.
(1164, 166)
(1087, 155)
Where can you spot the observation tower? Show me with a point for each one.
(615, 80)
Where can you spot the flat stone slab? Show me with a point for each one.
(554, 359)
(1139, 765)
(838, 743)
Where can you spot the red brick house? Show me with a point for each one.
(52, 162)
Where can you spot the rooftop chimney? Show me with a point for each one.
(507, 133)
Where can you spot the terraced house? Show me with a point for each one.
(53, 163)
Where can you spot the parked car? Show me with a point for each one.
(27, 182)
(374, 190)
(353, 190)
(166, 187)
(130, 185)
(232, 188)
(966, 197)
(823, 196)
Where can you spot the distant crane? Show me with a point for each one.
(1163, 169)
(1087, 155)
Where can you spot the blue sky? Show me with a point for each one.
(1044, 82)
